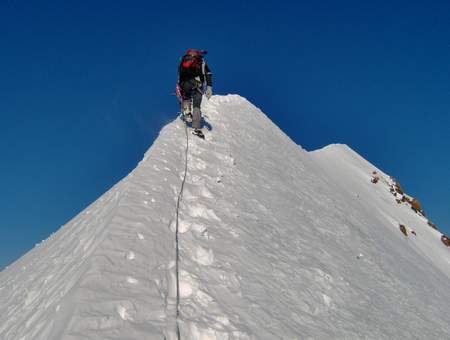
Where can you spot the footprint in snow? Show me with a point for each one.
(203, 256)
(188, 284)
(184, 226)
(202, 211)
(200, 229)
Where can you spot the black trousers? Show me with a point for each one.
(190, 90)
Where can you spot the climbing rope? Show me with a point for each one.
(177, 251)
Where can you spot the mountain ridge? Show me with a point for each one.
(275, 243)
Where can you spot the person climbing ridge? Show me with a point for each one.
(193, 74)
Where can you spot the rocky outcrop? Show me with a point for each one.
(445, 240)
(403, 229)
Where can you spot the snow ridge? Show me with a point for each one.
(273, 243)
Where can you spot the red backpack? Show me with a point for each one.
(193, 59)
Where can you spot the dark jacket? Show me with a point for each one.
(200, 70)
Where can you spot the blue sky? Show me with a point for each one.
(85, 87)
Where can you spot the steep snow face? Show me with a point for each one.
(275, 243)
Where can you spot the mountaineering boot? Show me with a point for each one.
(198, 133)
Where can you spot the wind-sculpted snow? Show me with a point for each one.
(275, 243)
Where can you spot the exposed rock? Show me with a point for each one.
(432, 225)
(415, 205)
(403, 229)
(445, 240)
(398, 188)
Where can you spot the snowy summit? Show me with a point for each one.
(274, 242)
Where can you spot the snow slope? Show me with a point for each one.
(275, 243)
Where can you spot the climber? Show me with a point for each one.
(193, 74)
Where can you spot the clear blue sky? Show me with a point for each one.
(85, 87)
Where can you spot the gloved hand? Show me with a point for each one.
(208, 92)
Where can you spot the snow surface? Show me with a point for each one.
(275, 243)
